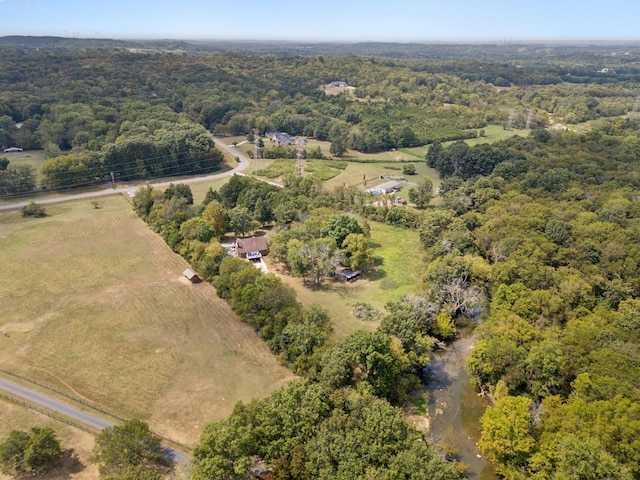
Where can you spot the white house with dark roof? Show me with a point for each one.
(280, 138)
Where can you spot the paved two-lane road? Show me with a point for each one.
(242, 164)
(78, 415)
(55, 405)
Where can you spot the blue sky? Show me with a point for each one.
(320, 20)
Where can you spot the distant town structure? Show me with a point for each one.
(339, 84)
(253, 248)
(13, 150)
(191, 276)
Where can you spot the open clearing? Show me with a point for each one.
(29, 157)
(95, 305)
(399, 265)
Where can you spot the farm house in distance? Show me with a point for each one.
(280, 138)
(387, 187)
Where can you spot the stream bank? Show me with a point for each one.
(455, 407)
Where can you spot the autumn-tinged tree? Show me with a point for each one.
(357, 251)
(506, 434)
(217, 218)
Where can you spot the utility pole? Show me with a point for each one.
(299, 166)
(529, 119)
(256, 155)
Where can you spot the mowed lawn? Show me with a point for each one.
(399, 266)
(95, 304)
(34, 158)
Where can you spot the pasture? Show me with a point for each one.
(94, 304)
(492, 134)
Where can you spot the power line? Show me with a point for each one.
(89, 185)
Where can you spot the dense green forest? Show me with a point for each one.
(536, 239)
(543, 248)
(142, 110)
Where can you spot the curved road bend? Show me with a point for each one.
(76, 414)
(244, 163)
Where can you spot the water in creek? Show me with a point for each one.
(455, 408)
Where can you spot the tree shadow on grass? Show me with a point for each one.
(68, 464)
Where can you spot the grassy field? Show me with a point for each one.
(95, 304)
(493, 133)
(399, 265)
(30, 157)
(355, 172)
(75, 443)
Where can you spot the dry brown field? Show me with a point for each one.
(95, 305)
(75, 443)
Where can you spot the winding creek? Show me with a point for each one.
(455, 408)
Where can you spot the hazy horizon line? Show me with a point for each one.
(498, 41)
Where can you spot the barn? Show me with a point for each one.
(191, 276)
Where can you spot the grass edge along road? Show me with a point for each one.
(84, 418)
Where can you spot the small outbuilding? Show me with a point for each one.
(253, 248)
(191, 276)
(348, 275)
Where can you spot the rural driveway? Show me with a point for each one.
(77, 415)
(242, 164)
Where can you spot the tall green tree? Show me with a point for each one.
(34, 451)
(422, 194)
(131, 444)
(339, 226)
(240, 221)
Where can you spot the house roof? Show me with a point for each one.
(392, 185)
(253, 244)
(281, 138)
(189, 273)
